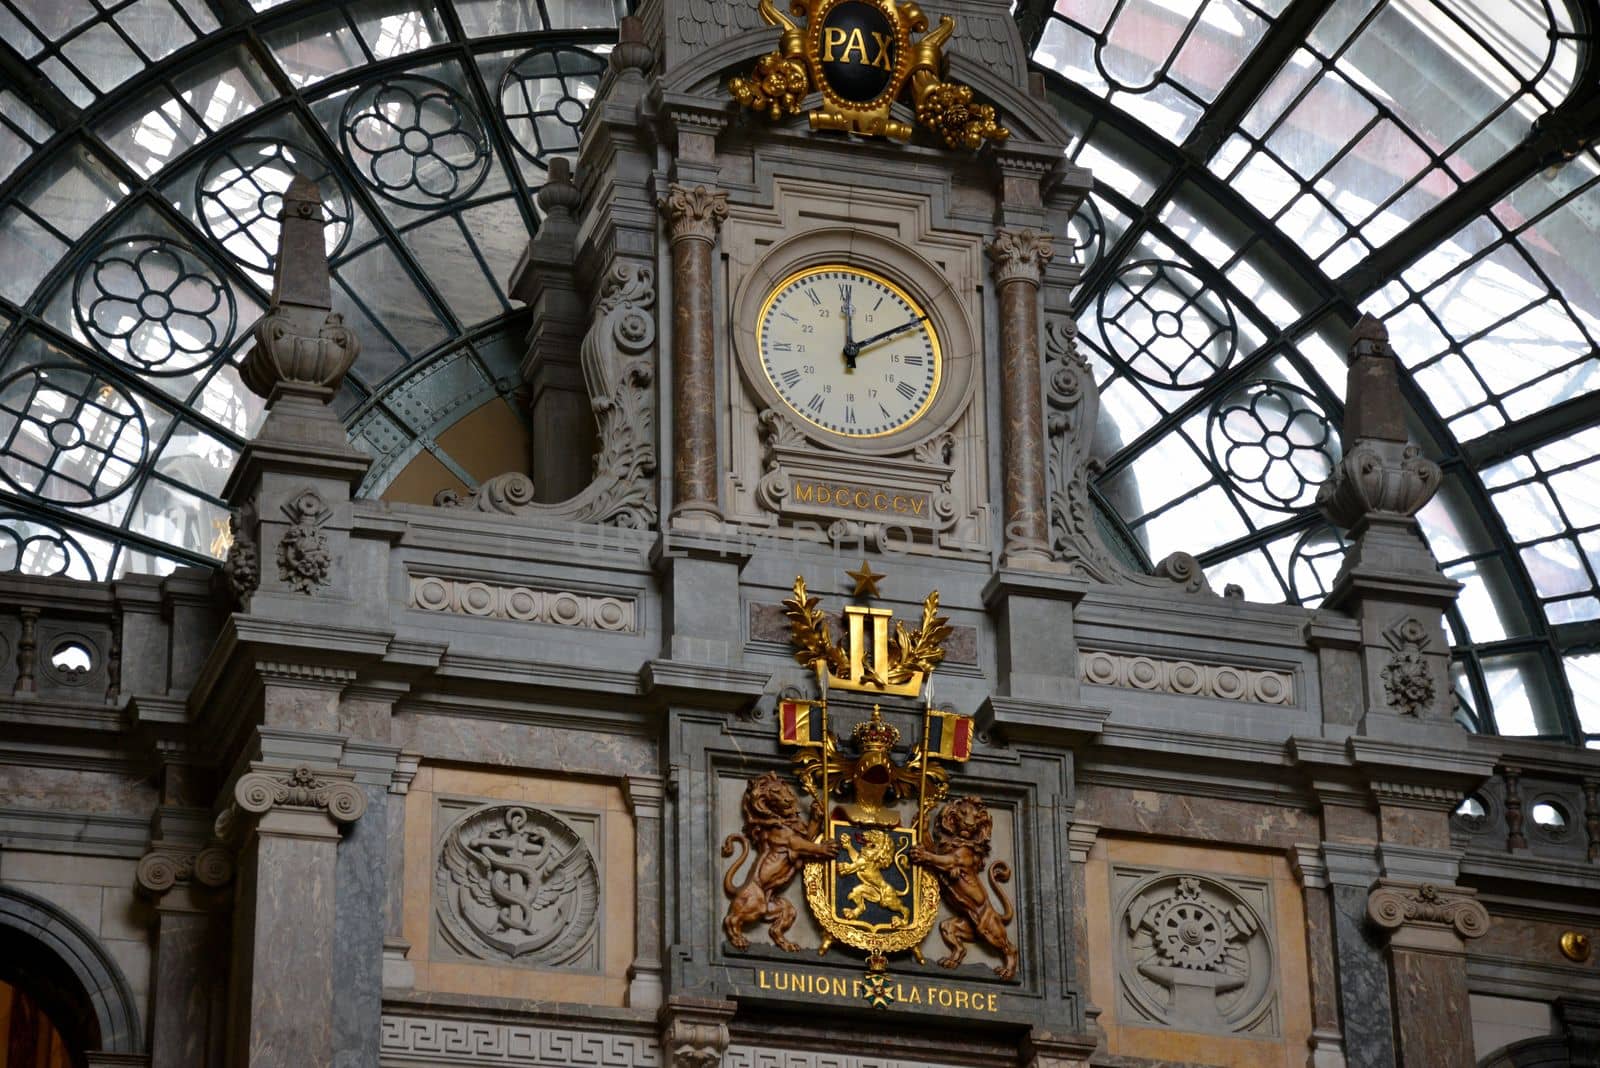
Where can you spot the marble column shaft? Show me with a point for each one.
(1363, 983)
(1019, 257)
(188, 1011)
(362, 873)
(693, 218)
(1428, 925)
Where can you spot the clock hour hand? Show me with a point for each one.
(850, 348)
(853, 349)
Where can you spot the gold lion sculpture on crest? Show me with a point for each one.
(782, 843)
(960, 848)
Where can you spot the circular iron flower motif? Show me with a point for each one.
(154, 304)
(36, 547)
(544, 96)
(69, 436)
(240, 195)
(415, 140)
(1086, 231)
(1275, 441)
(1166, 326)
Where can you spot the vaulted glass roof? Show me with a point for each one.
(1266, 170)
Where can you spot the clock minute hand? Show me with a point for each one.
(855, 348)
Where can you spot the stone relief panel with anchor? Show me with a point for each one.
(1195, 952)
(517, 884)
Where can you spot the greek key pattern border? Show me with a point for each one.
(420, 1040)
(757, 1057)
(1186, 678)
(524, 604)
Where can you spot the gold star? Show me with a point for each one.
(866, 581)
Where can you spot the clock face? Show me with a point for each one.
(848, 350)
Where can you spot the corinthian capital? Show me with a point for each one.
(694, 214)
(1020, 254)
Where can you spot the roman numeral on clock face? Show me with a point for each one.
(791, 378)
(906, 390)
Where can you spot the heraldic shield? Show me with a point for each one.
(872, 897)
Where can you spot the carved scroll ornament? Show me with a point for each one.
(517, 883)
(261, 790)
(1072, 406)
(619, 371)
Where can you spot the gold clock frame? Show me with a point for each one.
(900, 291)
(954, 319)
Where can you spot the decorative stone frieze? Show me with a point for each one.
(263, 789)
(1186, 678)
(1194, 953)
(304, 559)
(1395, 905)
(694, 214)
(524, 604)
(476, 1042)
(1020, 254)
(171, 863)
(518, 884)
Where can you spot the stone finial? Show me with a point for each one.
(1380, 473)
(1374, 409)
(301, 344)
(559, 197)
(631, 54)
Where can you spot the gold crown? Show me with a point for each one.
(874, 733)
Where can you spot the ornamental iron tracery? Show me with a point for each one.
(36, 547)
(1086, 233)
(1313, 563)
(155, 304)
(544, 95)
(415, 140)
(1275, 441)
(240, 196)
(69, 436)
(1166, 326)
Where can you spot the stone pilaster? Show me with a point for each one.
(190, 944)
(1427, 927)
(694, 217)
(1019, 257)
(563, 426)
(361, 875)
(1327, 1041)
(645, 794)
(288, 821)
(1363, 977)
(1044, 1049)
(694, 1032)
(398, 974)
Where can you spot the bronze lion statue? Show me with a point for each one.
(782, 842)
(957, 854)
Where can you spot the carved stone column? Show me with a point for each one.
(645, 794)
(288, 821)
(1427, 927)
(398, 974)
(694, 217)
(694, 1032)
(187, 1006)
(1019, 257)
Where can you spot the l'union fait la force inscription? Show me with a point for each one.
(905, 992)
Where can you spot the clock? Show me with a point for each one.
(849, 350)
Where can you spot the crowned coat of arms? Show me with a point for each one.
(876, 852)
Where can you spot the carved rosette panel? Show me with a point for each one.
(1195, 952)
(1408, 683)
(517, 884)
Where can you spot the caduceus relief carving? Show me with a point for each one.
(520, 882)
